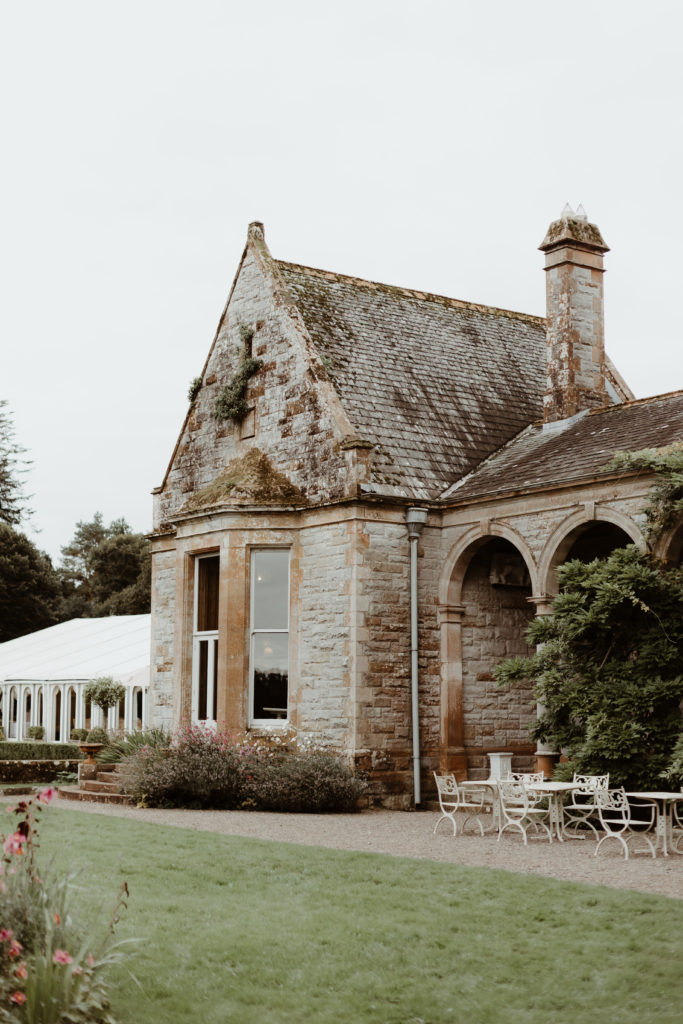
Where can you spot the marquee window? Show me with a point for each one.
(269, 635)
(205, 638)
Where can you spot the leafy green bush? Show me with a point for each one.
(609, 668)
(14, 750)
(79, 734)
(36, 732)
(305, 782)
(116, 749)
(50, 971)
(211, 769)
(673, 772)
(96, 735)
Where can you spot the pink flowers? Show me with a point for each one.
(18, 998)
(14, 844)
(15, 949)
(6, 934)
(61, 957)
(21, 972)
(46, 795)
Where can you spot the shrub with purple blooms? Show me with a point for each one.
(204, 768)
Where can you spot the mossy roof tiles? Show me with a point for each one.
(575, 449)
(435, 384)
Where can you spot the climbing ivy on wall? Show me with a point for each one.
(665, 500)
(231, 402)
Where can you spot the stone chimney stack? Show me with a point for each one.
(575, 316)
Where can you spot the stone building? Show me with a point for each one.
(379, 507)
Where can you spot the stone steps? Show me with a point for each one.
(98, 783)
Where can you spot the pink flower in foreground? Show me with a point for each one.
(15, 949)
(14, 844)
(21, 972)
(91, 960)
(18, 998)
(6, 934)
(46, 795)
(61, 957)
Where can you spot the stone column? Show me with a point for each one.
(546, 756)
(453, 757)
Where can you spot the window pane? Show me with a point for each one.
(203, 679)
(271, 589)
(207, 594)
(271, 671)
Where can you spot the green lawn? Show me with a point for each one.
(267, 933)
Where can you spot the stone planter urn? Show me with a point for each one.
(90, 750)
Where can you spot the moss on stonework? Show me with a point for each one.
(231, 403)
(250, 478)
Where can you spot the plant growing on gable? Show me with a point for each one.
(609, 667)
(194, 389)
(105, 692)
(231, 399)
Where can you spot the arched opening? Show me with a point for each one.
(41, 708)
(57, 716)
(496, 612)
(596, 540)
(673, 548)
(584, 539)
(137, 708)
(27, 712)
(88, 715)
(13, 713)
(71, 696)
(121, 715)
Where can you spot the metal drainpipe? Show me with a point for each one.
(415, 518)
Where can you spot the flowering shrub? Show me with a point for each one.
(49, 973)
(203, 768)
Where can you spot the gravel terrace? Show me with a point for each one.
(405, 834)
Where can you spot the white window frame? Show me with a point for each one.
(199, 637)
(266, 723)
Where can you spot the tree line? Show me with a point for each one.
(105, 570)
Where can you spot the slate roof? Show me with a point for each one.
(574, 449)
(434, 383)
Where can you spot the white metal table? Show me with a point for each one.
(555, 792)
(663, 802)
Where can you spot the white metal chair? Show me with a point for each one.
(453, 800)
(582, 805)
(614, 812)
(519, 808)
(527, 777)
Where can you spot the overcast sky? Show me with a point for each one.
(426, 144)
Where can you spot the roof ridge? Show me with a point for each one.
(635, 401)
(414, 292)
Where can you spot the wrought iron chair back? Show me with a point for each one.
(614, 812)
(452, 800)
(582, 806)
(519, 810)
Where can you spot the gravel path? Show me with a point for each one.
(405, 834)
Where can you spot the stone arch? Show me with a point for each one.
(460, 556)
(485, 590)
(669, 546)
(579, 524)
